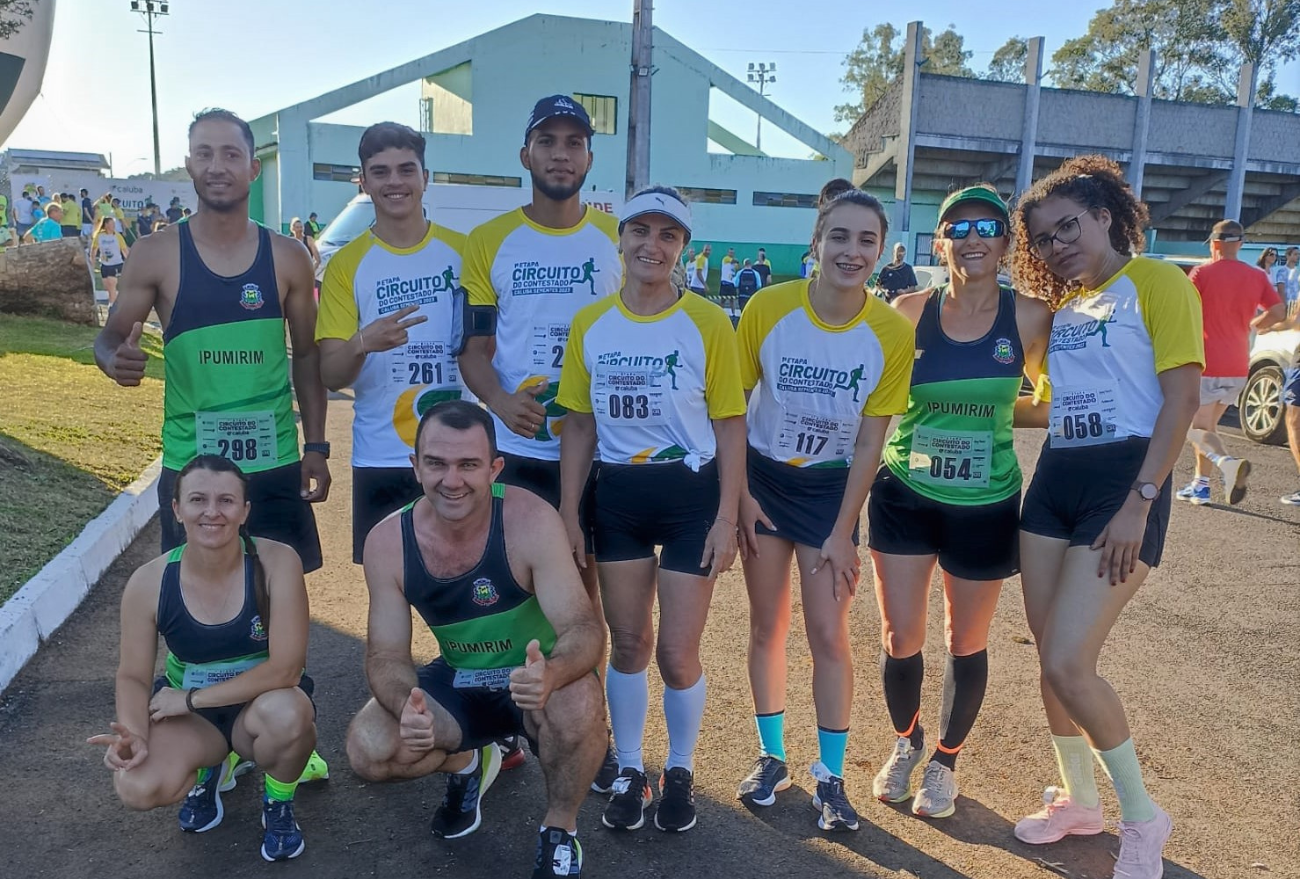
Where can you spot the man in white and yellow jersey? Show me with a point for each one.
(390, 323)
(526, 274)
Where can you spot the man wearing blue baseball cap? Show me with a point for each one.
(526, 274)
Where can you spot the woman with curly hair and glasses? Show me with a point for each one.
(1125, 359)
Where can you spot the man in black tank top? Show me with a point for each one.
(223, 288)
(488, 570)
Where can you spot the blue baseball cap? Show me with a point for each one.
(558, 106)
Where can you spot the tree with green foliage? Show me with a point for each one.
(1199, 47)
(1008, 64)
(13, 15)
(878, 60)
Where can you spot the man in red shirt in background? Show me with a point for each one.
(1236, 298)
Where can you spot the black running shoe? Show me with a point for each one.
(836, 811)
(202, 809)
(558, 854)
(676, 812)
(461, 811)
(604, 782)
(628, 800)
(512, 753)
(760, 787)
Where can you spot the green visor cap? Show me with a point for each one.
(974, 194)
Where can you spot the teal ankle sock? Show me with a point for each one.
(831, 745)
(771, 734)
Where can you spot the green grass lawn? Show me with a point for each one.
(76, 439)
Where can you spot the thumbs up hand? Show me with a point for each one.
(416, 724)
(530, 685)
(129, 360)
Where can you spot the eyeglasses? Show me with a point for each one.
(1066, 233)
(985, 228)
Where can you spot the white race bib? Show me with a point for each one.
(1083, 417)
(243, 437)
(630, 395)
(423, 363)
(951, 458)
(824, 437)
(207, 674)
(547, 348)
(482, 678)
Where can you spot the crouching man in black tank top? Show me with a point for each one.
(488, 569)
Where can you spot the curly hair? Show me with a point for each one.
(1092, 182)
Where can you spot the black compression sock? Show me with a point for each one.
(965, 679)
(902, 680)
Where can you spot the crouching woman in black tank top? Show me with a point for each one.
(233, 612)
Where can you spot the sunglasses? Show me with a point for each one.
(986, 228)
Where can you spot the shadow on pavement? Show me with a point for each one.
(60, 818)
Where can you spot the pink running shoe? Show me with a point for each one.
(1141, 847)
(1059, 818)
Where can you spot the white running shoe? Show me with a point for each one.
(893, 783)
(1060, 817)
(937, 795)
(1235, 472)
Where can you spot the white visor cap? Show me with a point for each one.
(656, 203)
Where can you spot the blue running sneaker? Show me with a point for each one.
(768, 777)
(1291, 500)
(461, 811)
(283, 837)
(837, 813)
(202, 809)
(558, 854)
(1194, 493)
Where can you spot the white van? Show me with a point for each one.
(456, 206)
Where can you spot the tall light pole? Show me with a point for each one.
(762, 74)
(150, 8)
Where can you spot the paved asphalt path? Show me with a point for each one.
(1206, 659)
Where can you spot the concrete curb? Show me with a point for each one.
(44, 602)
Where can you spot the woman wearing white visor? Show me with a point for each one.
(652, 379)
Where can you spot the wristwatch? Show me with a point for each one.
(1148, 491)
(321, 448)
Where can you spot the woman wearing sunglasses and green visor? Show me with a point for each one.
(949, 490)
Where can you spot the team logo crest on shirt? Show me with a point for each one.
(250, 297)
(257, 631)
(1003, 352)
(485, 594)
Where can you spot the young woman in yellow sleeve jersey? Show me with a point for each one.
(651, 377)
(949, 493)
(1125, 360)
(826, 366)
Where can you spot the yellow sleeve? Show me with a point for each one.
(1171, 310)
(476, 264)
(898, 341)
(575, 379)
(337, 316)
(722, 391)
(750, 333)
(121, 241)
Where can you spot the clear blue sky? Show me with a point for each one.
(255, 56)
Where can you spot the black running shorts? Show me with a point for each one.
(376, 492)
(1076, 492)
(641, 506)
(973, 543)
(542, 478)
(483, 713)
(802, 502)
(278, 512)
(224, 717)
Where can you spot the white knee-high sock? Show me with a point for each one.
(683, 714)
(629, 699)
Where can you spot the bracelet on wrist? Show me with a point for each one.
(189, 699)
